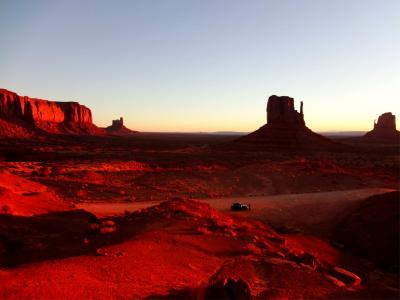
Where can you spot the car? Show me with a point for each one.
(240, 206)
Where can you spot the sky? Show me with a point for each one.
(206, 65)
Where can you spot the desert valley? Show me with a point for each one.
(113, 213)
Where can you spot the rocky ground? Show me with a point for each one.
(158, 167)
(180, 248)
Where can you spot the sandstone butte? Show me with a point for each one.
(285, 129)
(384, 130)
(43, 115)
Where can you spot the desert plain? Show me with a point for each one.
(94, 213)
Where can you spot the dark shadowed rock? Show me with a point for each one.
(118, 128)
(372, 230)
(280, 110)
(386, 121)
(285, 130)
(384, 130)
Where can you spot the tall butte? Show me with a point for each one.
(285, 129)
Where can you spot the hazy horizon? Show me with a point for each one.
(206, 66)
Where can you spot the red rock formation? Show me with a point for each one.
(118, 128)
(50, 116)
(384, 130)
(285, 129)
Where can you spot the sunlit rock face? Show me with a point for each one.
(384, 129)
(50, 116)
(38, 110)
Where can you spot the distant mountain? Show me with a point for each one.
(230, 132)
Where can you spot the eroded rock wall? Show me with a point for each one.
(38, 110)
(21, 113)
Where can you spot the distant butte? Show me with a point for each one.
(384, 130)
(22, 116)
(118, 128)
(285, 129)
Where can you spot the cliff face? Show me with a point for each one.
(50, 116)
(38, 110)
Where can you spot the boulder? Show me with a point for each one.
(345, 276)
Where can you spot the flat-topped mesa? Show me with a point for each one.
(50, 116)
(38, 110)
(280, 110)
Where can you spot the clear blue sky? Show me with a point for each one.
(167, 65)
